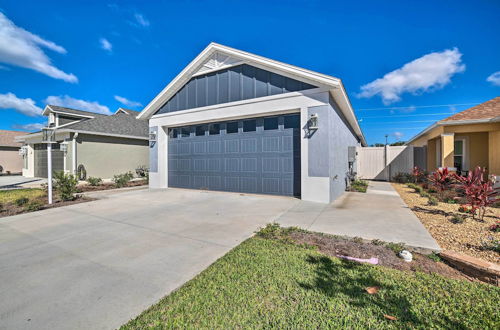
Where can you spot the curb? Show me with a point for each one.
(484, 270)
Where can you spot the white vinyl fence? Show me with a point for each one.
(382, 163)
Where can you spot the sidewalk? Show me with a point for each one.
(377, 214)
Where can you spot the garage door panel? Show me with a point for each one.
(252, 159)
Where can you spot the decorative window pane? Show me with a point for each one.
(270, 123)
(232, 127)
(459, 147)
(185, 131)
(200, 130)
(214, 129)
(249, 126)
(292, 121)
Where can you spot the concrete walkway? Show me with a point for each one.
(378, 214)
(19, 182)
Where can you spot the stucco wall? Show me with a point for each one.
(106, 156)
(341, 137)
(10, 159)
(476, 152)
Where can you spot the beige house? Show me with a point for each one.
(465, 140)
(88, 144)
(10, 159)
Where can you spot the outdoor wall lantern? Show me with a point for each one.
(152, 138)
(312, 123)
(48, 135)
(23, 151)
(64, 146)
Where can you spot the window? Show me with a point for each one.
(174, 132)
(292, 121)
(271, 123)
(214, 129)
(249, 125)
(185, 131)
(232, 127)
(200, 130)
(458, 157)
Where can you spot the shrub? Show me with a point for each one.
(359, 186)
(479, 192)
(424, 194)
(403, 177)
(94, 181)
(142, 171)
(492, 244)
(33, 206)
(21, 201)
(65, 185)
(464, 209)
(1, 207)
(418, 175)
(435, 257)
(432, 201)
(395, 247)
(121, 180)
(494, 227)
(441, 180)
(457, 218)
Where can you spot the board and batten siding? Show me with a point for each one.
(236, 83)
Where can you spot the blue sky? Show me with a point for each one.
(403, 63)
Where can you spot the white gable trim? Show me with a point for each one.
(49, 109)
(235, 54)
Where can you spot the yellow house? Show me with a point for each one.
(465, 140)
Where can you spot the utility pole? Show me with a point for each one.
(49, 137)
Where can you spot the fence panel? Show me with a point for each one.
(382, 163)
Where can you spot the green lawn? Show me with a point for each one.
(267, 283)
(9, 196)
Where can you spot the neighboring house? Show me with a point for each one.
(465, 140)
(100, 144)
(235, 121)
(10, 159)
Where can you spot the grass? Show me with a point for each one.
(266, 283)
(10, 196)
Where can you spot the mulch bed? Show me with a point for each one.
(334, 246)
(109, 185)
(467, 237)
(13, 209)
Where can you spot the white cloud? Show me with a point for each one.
(69, 102)
(105, 44)
(398, 135)
(23, 48)
(494, 78)
(141, 20)
(24, 106)
(29, 127)
(427, 73)
(127, 102)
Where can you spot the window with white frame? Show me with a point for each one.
(459, 155)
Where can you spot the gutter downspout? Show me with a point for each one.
(74, 152)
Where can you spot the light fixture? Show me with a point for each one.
(152, 138)
(64, 146)
(48, 135)
(23, 151)
(312, 123)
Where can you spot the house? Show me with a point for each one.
(88, 143)
(10, 159)
(465, 140)
(235, 121)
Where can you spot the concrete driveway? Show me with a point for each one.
(96, 265)
(18, 181)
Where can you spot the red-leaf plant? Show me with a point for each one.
(417, 174)
(479, 192)
(441, 179)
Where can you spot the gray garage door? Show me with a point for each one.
(259, 155)
(41, 159)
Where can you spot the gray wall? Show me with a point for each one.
(153, 152)
(328, 147)
(237, 83)
(341, 137)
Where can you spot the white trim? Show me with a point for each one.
(48, 108)
(192, 67)
(24, 137)
(464, 141)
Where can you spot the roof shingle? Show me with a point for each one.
(7, 138)
(487, 110)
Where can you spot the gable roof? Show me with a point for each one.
(484, 111)
(127, 111)
(216, 57)
(7, 138)
(121, 123)
(487, 112)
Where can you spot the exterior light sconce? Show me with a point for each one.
(23, 151)
(312, 123)
(152, 138)
(64, 146)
